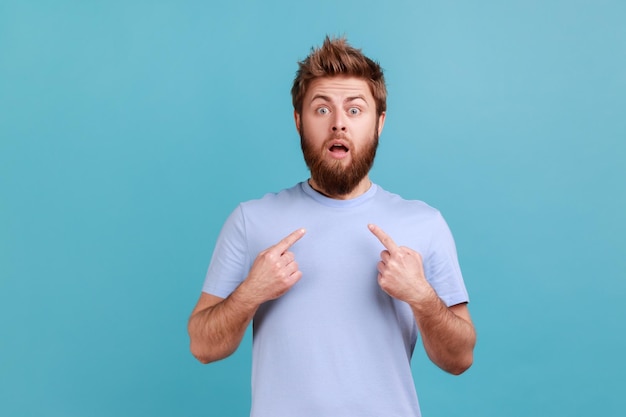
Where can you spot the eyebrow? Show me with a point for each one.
(320, 96)
(347, 100)
(358, 97)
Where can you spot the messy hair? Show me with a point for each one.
(337, 57)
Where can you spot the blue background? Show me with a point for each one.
(130, 129)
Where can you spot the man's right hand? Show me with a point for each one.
(273, 272)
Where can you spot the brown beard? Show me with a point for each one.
(330, 176)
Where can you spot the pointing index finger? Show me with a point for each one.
(384, 238)
(289, 240)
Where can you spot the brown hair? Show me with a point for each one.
(337, 57)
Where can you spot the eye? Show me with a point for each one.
(353, 111)
(323, 110)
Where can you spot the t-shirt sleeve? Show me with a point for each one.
(230, 261)
(442, 265)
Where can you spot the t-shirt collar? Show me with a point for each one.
(332, 202)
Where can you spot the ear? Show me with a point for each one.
(381, 122)
(297, 120)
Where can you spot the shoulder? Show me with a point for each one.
(398, 204)
(412, 223)
(274, 198)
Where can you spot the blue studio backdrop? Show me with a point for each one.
(129, 130)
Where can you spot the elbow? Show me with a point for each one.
(463, 359)
(203, 359)
(199, 354)
(206, 356)
(458, 370)
(462, 365)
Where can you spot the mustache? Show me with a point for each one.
(338, 137)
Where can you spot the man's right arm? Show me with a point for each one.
(217, 325)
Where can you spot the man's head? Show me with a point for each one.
(337, 58)
(339, 100)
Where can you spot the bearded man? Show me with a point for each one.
(337, 275)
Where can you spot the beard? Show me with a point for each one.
(331, 176)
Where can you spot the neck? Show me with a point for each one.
(360, 189)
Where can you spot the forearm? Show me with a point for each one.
(217, 331)
(217, 327)
(448, 338)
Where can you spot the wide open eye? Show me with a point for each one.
(353, 111)
(323, 110)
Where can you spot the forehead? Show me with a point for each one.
(339, 87)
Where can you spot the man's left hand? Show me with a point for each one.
(400, 270)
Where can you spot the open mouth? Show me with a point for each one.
(338, 148)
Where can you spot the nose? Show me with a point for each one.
(339, 123)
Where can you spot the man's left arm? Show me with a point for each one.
(447, 332)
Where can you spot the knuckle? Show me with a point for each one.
(267, 254)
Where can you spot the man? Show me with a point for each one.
(337, 275)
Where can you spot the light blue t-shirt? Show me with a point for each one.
(335, 344)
